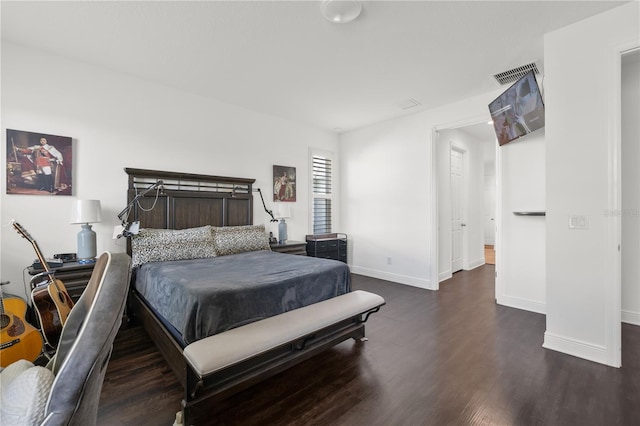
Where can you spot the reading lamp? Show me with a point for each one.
(269, 212)
(86, 212)
(129, 229)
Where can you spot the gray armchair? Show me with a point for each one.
(85, 345)
(67, 392)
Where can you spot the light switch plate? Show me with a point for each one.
(578, 221)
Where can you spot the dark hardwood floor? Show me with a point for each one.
(451, 357)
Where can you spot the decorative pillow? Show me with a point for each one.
(25, 391)
(239, 239)
(158, 245)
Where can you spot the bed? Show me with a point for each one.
(225, 311)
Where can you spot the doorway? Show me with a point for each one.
(464, 156)
(490, 201)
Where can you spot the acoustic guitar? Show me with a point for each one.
(18, 339)
(50, 299)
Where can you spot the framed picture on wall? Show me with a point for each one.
(284, 183)
(38, 163)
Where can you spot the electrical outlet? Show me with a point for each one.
(388, 261)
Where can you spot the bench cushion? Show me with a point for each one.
(222, 350)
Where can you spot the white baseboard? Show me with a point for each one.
(444, 275)
(396, 278)
(474, 264)
(588, 351)
(525, 304)
(629, 317)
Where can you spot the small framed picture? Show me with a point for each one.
(284, 183)
(38, 163)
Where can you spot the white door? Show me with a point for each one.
(457, 226)
(489, 210)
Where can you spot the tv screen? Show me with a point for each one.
(519, 110)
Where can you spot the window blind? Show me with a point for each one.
(321, 195)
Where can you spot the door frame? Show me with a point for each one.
(613, 261)
(435, 236)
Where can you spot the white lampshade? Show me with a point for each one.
(86, 211)
(284, 210)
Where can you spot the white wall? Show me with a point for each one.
(391, 205)
(582, 87)
(385, 192)
(473, 193)
(390, 202)
(117, 121)
(631, 191)
(389, 194)
(520, 250)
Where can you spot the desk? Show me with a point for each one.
(75, 277)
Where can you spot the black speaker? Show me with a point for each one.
(66, 257)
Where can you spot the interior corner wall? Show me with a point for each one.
(119, 121)
(581, 128)
(520, 249)
(388, 194)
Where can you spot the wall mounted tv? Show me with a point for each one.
(519, 110)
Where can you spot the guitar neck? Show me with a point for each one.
(1, 303)
(41, 258)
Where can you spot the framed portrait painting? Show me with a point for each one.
(38, 163)
(284, 183)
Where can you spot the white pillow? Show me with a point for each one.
(24, 391)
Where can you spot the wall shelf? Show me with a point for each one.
(532, 213)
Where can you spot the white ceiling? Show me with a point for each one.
(284, 59)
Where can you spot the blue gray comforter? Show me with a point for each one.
(202, 297)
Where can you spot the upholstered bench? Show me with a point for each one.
(227, 362)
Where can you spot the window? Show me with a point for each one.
(322, 195)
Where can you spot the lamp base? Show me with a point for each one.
(282, 231)
(86, 244)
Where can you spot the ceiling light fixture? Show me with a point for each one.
(341, 11)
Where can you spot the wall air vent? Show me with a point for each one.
(511, 76)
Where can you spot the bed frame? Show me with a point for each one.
(190, 200)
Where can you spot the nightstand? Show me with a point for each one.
(75, 277)
(291, 247)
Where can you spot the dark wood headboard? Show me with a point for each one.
(188, 200)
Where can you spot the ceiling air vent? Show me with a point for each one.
(511, 76)
(409, 103)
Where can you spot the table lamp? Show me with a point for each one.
(284, 211)
(85, 212)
